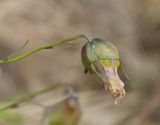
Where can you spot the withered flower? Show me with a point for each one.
(101, 59)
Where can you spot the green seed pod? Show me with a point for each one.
(101, 59)
(66, 112)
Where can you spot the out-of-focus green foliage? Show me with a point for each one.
(10, 117)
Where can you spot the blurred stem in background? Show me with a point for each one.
(43, 47)
(26, 98)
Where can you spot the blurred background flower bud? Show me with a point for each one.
(66, 112)
(101, 59)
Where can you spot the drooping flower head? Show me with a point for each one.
(101, 59)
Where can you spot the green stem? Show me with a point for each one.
(48, 46)
(24, 99)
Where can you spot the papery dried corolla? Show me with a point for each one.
(101, 59)
(66, 112)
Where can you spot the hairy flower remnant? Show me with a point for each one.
(101, 59)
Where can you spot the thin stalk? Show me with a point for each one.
(24, 99)
(48, 46)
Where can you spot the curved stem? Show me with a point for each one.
(48, 46)
(24, 99)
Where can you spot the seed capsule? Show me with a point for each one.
(101, 59)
